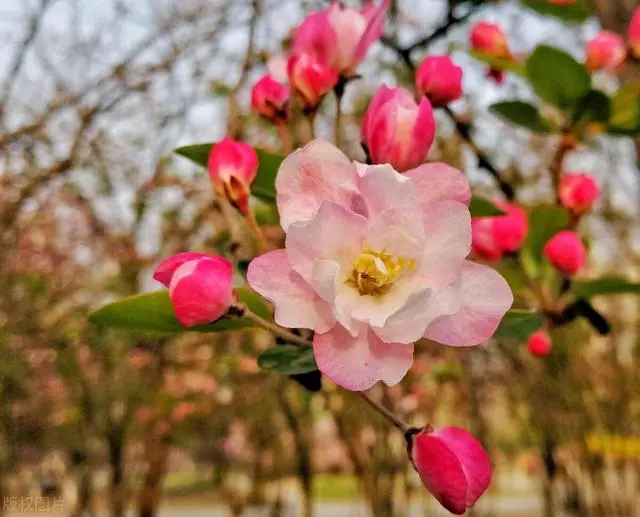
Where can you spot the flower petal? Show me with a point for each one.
(437, 182)
(357, 363)
(374, 16)
(334, 233)
(297, 305)
(317, 172)
(397, 231)
(167, 267)
(486, 297)
(383, 188)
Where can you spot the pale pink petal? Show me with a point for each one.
(296, 303)
(486, 297)
(374, 16)
(437, 182)
(317, 172)
(447, 227)
(167, 267)
(315, 37)
(357, 363)
(277, 68)
(474, 458)
(334, 233)
(383, 188)
(397, 231)
(383, 95)
(201, 290)
(349, 26)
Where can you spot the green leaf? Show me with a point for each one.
(557, 77)
(518, 324)
(288, 360)
(481, 207)
(604, 286)
(153, 312)
(264, 186)
(522, 114)
(577, 12)
(506, 65)
(625, 110)
(544, 222)
(594, 107)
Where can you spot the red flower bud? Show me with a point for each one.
(440, 79)
(492, 237)
(199, 285)
(269, 98)
(453, 466)
(310, 78)
(490, 39)
(578, 192)
(397, 130)
(634, 34)
(606, 51)
(539, 344)
(566, 252)
(232, 168)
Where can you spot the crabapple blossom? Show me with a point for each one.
(199, 286)
(490, 39)
(440, 79)
(310, 78)
(340, 37)
(232, 168)
(374, 261)
(606, 51)
(269, 98)
(578, 192)
(397, 130)
(634, 34)
(566, 252)
(492, 237)
(453, 466)
(539, 344)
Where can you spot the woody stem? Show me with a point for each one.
(391, 417)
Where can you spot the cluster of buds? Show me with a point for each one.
(608, 51)
(494, 237)
(490, 40)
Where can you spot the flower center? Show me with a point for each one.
(374, 272)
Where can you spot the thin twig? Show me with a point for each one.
(285, 137)
(263, 245)
(244, 311)
(392, 417)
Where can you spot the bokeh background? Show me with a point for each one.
(94, 95)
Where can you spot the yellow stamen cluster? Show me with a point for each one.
(374, 272)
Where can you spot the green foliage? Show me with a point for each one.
(288, 360)
(594, 107)
(557, 77)
(605, 286)
(153, 312)
(518, 324)
(625, 110)
(544, 222)
(521, 114)
(577, 12)
(481, 207)
(264, 187)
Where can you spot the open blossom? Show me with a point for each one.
(199, 286)
(310, 78)
(340, 37)
(232, 168)
(607, 51)
(566, 252)
(539, 344)
(397, 130)
(578, 192)
(440, 79)
(269, 98)
(492, 237)
(453, 466)
(634, 34)
(374, 261)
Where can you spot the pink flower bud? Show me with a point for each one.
(340, 37)
(440, 79)
(310, 78)
(397, 130)
(578, 192)
(232, 168)
(269, 98)
(492, 237)
(453, 466)
(566, 252)
(489, 39)
(483, 241)
(539, 344)
(634, 34)
(200, 286)
(606, 51)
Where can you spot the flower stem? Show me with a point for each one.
(337, 128)
(244, 311)
(392, 417)
(285, 137)
(263, 245)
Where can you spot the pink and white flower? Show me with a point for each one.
(199, 285)
(453, 466)
(374, 261)
(340, 37)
